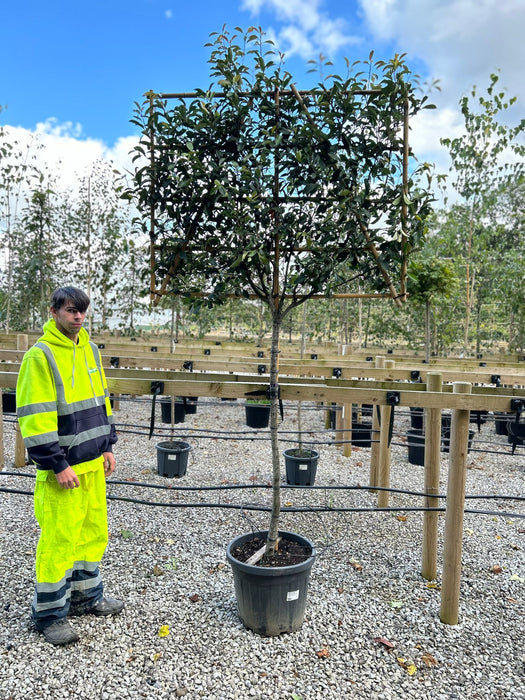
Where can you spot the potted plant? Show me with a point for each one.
(256, 190)
(257, 413)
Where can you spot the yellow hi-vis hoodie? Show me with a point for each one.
(63, 405)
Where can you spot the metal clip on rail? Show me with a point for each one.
(156, 389)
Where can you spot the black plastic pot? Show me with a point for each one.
(516, 432)
(257, 415)
(501, 422)
(165, 408)
(190, 404)
(301, 466)
(479, 418)
(445, 439)
(416, 447)
(9, 402)
(361, 434)
(416, 417)
(271, 600)
(172, 458)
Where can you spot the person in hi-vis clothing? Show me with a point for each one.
(64, 413)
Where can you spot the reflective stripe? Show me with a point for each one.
(67, 409)
(34, 408)
(67, 440)
(59, 384)
(89, 566)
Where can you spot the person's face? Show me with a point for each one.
(69, 320)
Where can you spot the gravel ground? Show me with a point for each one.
(169, 564)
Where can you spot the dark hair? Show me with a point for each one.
(77, 297)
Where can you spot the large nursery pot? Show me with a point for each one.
(271, 600)
(416, 447)
(166, 412)
(172, 458)
(301, 466)
(257, 415)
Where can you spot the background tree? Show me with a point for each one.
(487, 158)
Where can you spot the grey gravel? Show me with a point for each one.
(169, 565)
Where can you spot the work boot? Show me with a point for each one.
(60, 632)
(106, 606)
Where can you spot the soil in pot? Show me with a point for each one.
(288, 553)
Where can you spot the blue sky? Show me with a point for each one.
(73, 70)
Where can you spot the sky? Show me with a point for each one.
(71, 71)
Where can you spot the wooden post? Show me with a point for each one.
(20, 450)
(432, 459)
(347, 425)
(374, 451)
(338, 425)
(22, 341)
(453, 539)
(2, 454)
(383, 474)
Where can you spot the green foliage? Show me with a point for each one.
(249, 179)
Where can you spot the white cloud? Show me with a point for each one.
(61, 149)
(461, 41)
(306, 29)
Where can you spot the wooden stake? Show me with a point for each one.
(383, 474)
(374, 452)
(432, 464)
(457, 477)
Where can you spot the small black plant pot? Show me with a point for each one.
(416, 417)
(516, 433)
(190, 404)
(301, 466)
(361, 434)
(257, 415)
(271, 600)
(416, 447)
(445, 439)
(172, 458)
(501, 421)
(165, 409)
(9, 402)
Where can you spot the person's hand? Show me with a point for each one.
(68, 479)
(109, 463)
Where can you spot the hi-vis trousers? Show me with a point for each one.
(74, 535)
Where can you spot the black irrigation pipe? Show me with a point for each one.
(346, 487)
(292, 509)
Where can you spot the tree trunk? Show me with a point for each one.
(273, 529)
(427, 331)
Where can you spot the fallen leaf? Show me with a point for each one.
(511, 600)
(431, 584)
(323, 653)
(402, 518)
(515, 577)
(410, 667)
(340, 589)
(385, 642)
(170, 542)
(496, 569)
(428, 659)
(468, 532)
(157, 571)
(288, 504)
(194, 598)
(396, 604)
(155, 657)
(164, 630)
(126, 534)
(355, 565)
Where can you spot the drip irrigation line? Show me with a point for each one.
(237, 487)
